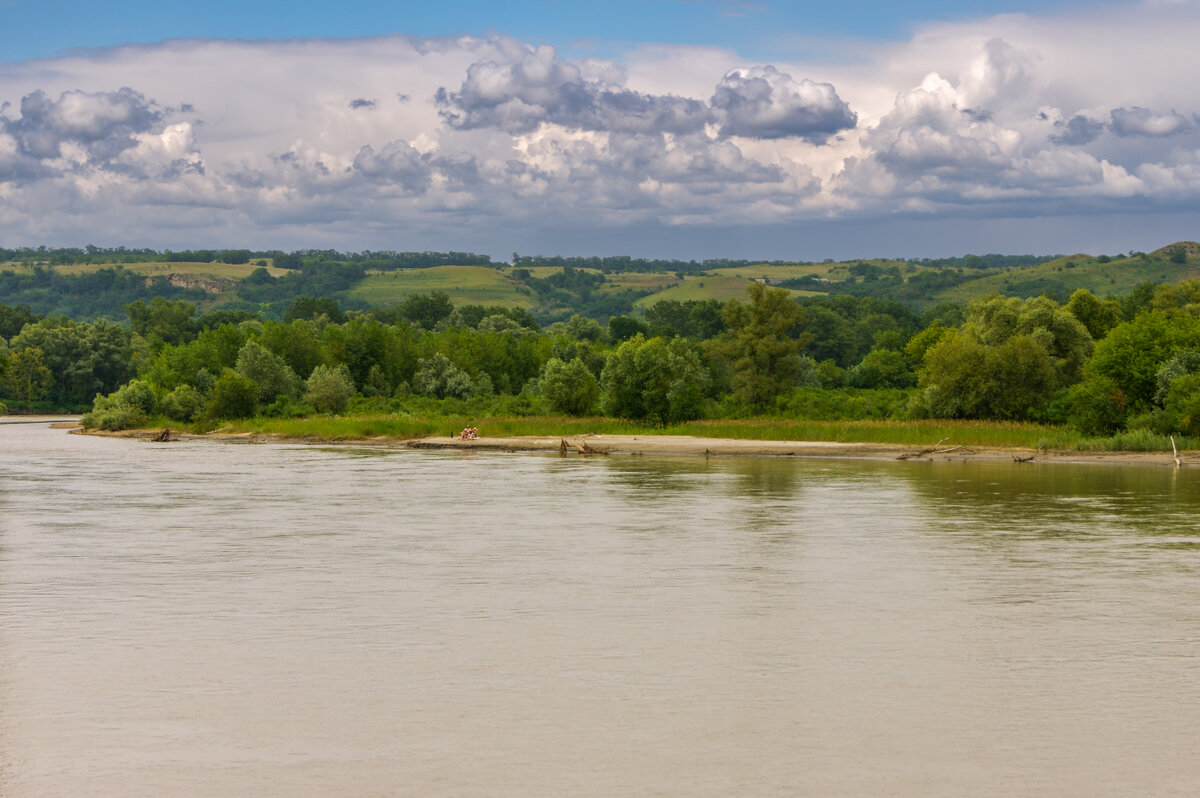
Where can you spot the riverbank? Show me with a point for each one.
(687, 445)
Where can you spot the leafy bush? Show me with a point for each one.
(268, 371)
(437, 376)
(569, 387)
(233, 396)
(882, 368)
(126, 408)
(1097, 406)
(654, 380)
(329, 389)
(182, 404)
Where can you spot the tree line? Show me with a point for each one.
(1100, 365)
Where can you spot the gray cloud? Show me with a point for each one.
(1077, 130)
(765, 103)
(397, 163)
(538, 87)
(103, 123)
(358, 103)
(1138, 121)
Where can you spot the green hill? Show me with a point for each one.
(1100, 274)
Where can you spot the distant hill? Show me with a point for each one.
(553, 292)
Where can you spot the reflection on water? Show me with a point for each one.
(195, 619)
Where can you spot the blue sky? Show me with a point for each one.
(687, 128)
(46, 28)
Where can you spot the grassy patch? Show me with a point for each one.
(207, 271)
(464, 284)
(703, 287)
(1101, 276)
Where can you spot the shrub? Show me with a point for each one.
(654, 380)
(182, 404)
(268, 371)
(329, 389)
(233, 396)
(569, 387)
(125, 408)
(1097, 406)
(437, 376)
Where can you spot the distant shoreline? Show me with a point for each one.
(684, 445)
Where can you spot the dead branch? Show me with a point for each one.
(564, 447)
(164, 436)
(931, 450)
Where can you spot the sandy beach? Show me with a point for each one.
(684, 445)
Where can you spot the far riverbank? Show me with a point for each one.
(685, 445)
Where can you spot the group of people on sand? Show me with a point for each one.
(469, 433)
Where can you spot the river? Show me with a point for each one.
(200, 619)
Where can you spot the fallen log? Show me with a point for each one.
(935, 450)
(913, 455)
(164, 436)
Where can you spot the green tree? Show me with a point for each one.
(125, 408)
(426, 310)
(307, 308)
(829, 336)
(329, 389)
(1132, 353)
(882, 368)
(162, 320)
(965, 378)
(233, 396)
(437, 376)
(622, 328)
(656, 380)
(268, 371)
(182, 404)
(1097, 316)
(14, 318)
(569, 387)
(84, 359)
(764, 350)
(26, 377)
(996, 319)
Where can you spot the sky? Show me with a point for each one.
(663, 128)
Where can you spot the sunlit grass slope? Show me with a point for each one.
(1100, 275)
(226, 272)
(464, 285)
(707, 287)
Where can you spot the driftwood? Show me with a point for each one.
(934, 450)
(565, 447)
(1175, 452)
(1019, 459)
(164, 436)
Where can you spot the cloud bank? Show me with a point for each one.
(408, 142)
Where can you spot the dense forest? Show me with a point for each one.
(1099, 365)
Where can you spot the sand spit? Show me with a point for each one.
(683, 445)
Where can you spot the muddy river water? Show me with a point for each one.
(200, 619)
